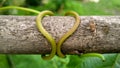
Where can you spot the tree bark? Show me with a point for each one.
(19, 34)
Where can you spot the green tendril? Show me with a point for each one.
(70, 32)
(94, 55)
(46, 34)
(20, 8)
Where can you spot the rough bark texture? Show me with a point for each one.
(19, 35)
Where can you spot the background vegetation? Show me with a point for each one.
(104, 7)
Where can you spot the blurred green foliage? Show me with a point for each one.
(104, 7)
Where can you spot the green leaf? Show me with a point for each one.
(30, 61)
(112, 61)
(35, 61)
(116, 64)
(3, 61)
